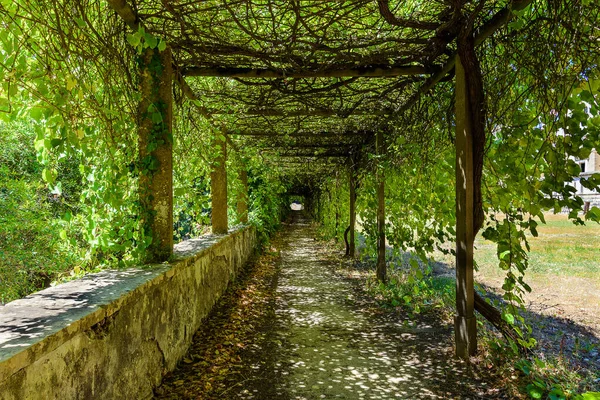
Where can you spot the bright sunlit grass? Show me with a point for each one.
(561, 249)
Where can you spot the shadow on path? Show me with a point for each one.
(319, 341)
(557, 336)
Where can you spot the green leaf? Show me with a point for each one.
(509, 318)
(419, 274)
(80, 22)
(157, 117)
(49, 175)
(593, 214)
(39, 145)
(150, 40)
(162, 45)
(36, 113)
(556, 394)
(133, 39)
(534, 391)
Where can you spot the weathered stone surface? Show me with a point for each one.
(156, 187)
(116, 333)
(242, 200)
(218, 188)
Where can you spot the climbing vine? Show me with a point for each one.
(284, 85)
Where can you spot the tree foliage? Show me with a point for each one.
(73, 69)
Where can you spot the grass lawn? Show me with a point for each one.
(564, 271)
(562, 249)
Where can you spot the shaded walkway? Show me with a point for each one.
(322, 341)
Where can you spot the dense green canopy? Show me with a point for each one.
(300, 88)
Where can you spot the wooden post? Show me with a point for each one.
(155, 142)
(218, 186)
(465, 324)
(337, 206)
(352, 184)
(381, 267)
(242, 201)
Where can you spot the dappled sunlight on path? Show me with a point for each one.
(305, 332)
(338, 350)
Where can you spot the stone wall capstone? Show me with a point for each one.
(115, 334)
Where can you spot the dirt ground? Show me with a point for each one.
(565, 316)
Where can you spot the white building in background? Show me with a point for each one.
(588, 166)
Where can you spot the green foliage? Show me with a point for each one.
(76, 74)
(268, 204)
(334, 208)
(416, 292)
(142, 40)
(31, 251)
(545, 379)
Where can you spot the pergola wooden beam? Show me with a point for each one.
(500, 19)
(271, 112)
(439, 72)
(294, 146)
(124, 10)
(464, 322)
(375, 71)
(308, 155)
(298, 134)
(352, 175)
(496, 22)
(314, 112)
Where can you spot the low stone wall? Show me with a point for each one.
(114, 334)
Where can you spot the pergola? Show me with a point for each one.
(315, 81)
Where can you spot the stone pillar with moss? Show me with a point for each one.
(155, 145)
(242, 200)
(218, 185)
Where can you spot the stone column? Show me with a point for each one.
(352, 184)
(155, 140)
(218, 186)
(464, 323)
(380, 148)
(242, 201)
(337, 206)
